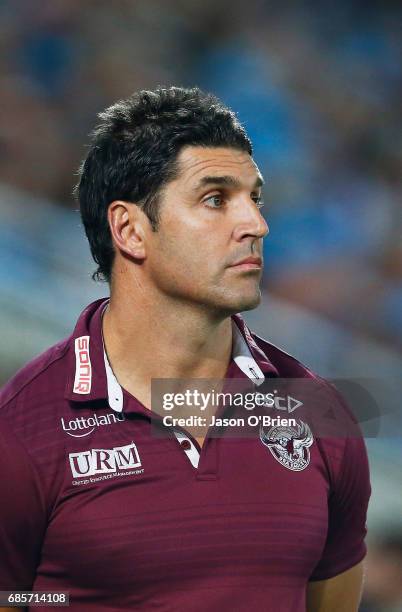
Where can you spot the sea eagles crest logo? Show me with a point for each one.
(289, 445)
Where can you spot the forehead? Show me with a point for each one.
(194, 163)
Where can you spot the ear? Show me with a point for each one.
(126, 222)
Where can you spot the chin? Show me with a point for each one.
(251, 303)
(239, 303)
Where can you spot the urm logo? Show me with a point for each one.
(104, 460)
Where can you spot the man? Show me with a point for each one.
(97, 505)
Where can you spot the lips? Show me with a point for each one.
(256, 261)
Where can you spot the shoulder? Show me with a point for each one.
(288, 367)
(286, 364)
(30, 440)
(41, 378)
(331, 414)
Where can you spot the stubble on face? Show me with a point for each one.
(206, 226)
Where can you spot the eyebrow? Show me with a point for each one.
(226, 181)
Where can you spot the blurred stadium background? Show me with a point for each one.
(318, 87)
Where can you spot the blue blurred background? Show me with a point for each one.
(318, 87)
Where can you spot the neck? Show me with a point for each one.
(164, 338)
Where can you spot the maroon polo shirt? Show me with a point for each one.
(96, 505)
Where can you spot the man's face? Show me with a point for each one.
(210, 222)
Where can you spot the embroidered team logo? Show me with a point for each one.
(289, 445)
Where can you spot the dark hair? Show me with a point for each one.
(133, 154)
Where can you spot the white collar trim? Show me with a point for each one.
(242, 356)
(114, 390)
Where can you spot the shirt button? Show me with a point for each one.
(185, 444)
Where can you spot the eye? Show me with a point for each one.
(214, 201)
(259, 200)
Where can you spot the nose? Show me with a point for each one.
(251, 223)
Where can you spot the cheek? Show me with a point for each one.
(187, 259)
(175, 258)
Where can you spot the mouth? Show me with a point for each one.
(249, 263)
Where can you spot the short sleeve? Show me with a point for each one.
(22, 514)
(348, 502)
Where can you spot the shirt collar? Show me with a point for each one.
(91, 378)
